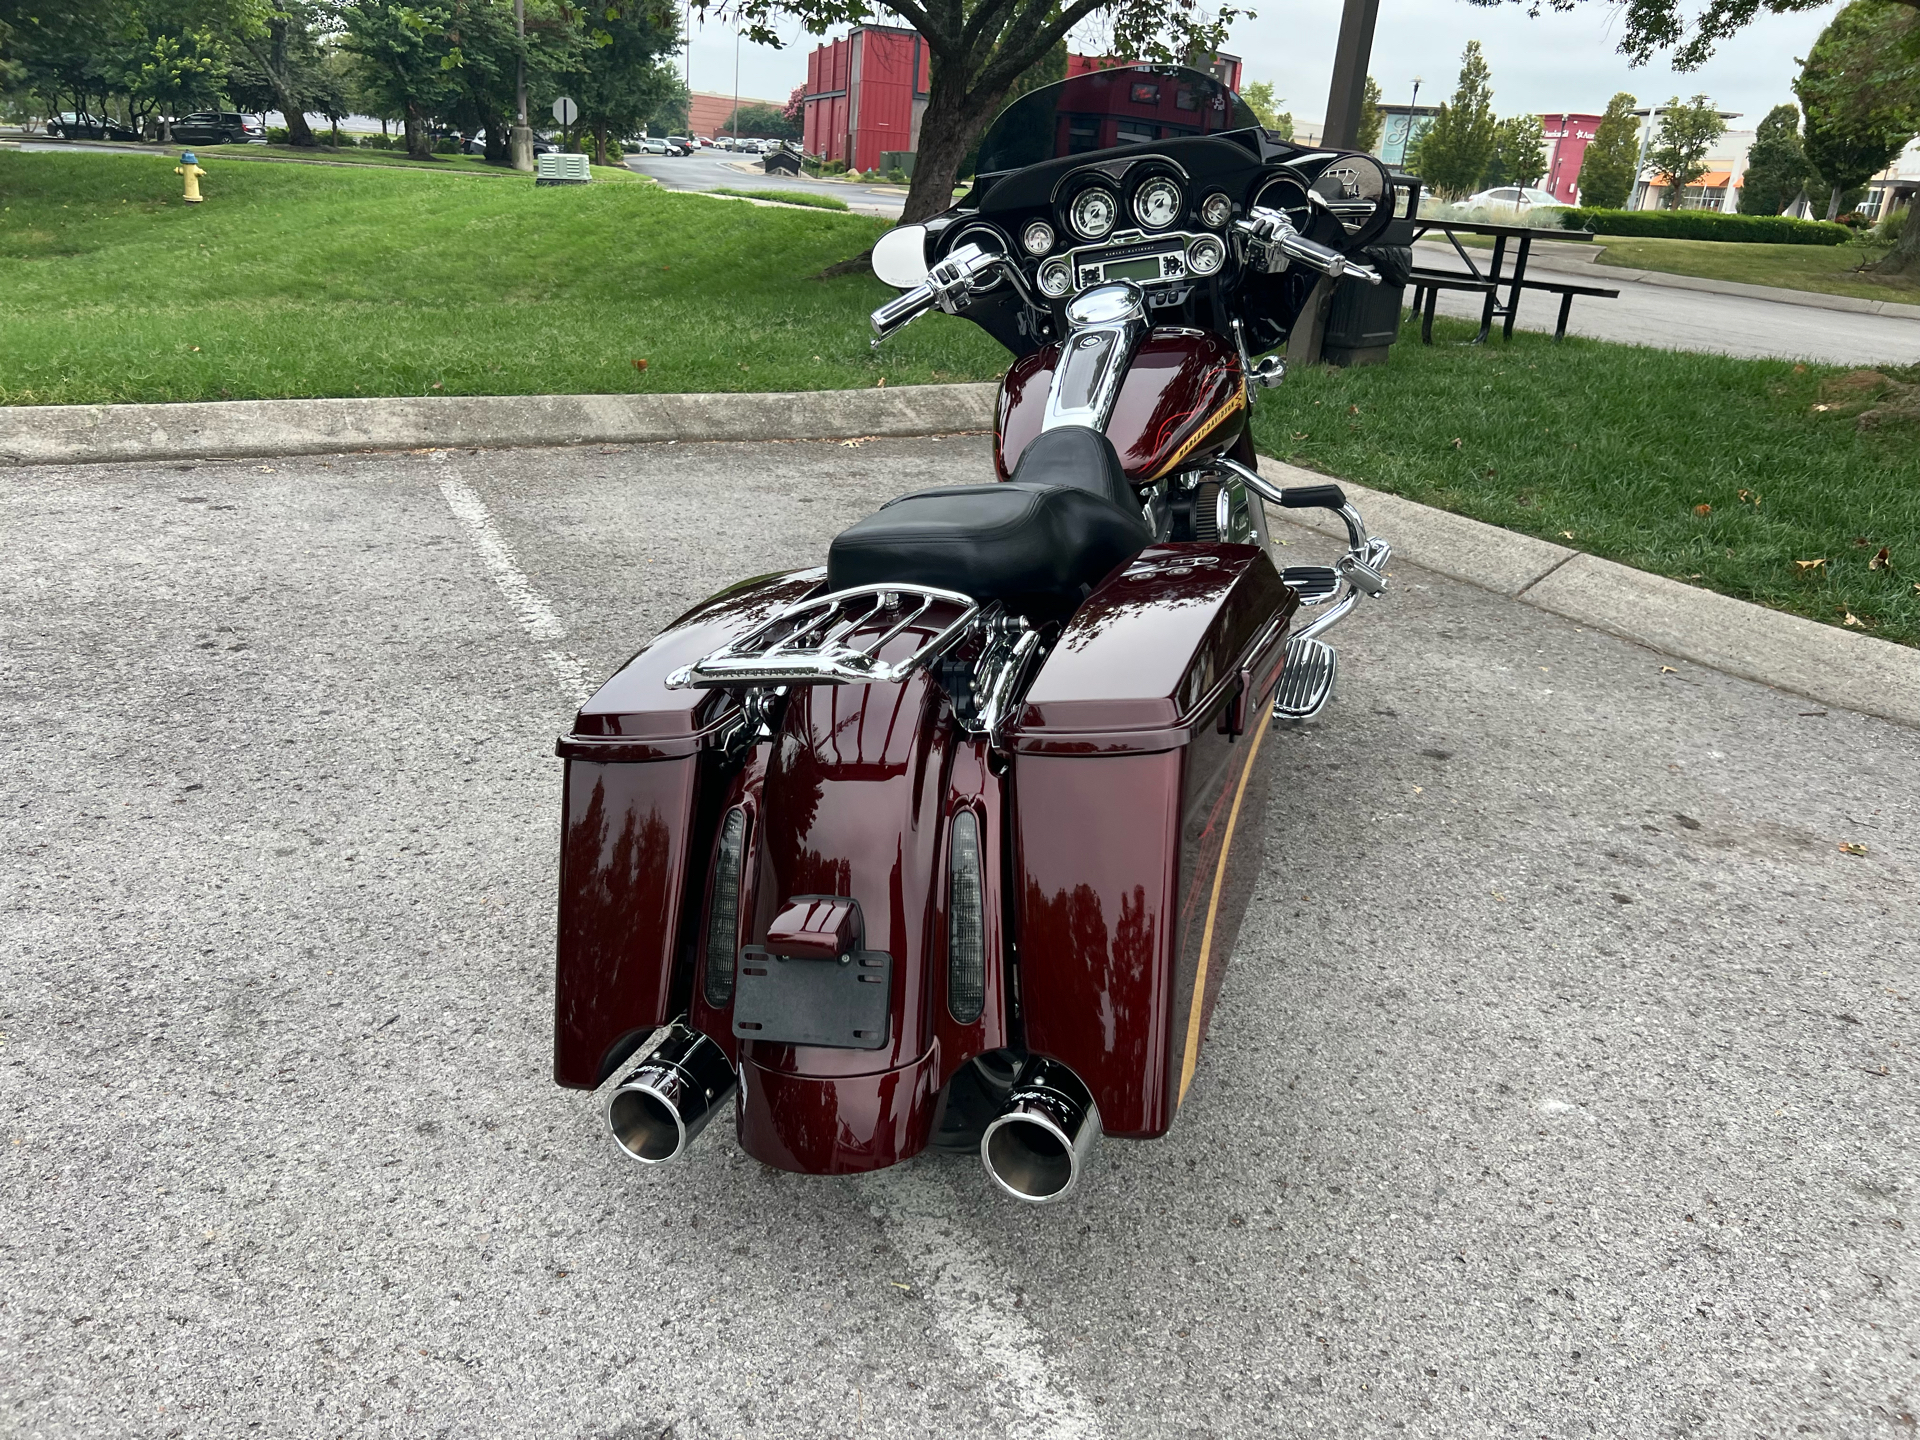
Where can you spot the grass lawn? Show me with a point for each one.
(444, 164)
(1829, 269)
(1613, 449)
(380, 280)
(789, 197)
(395, 280)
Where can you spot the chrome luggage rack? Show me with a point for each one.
(808, 643)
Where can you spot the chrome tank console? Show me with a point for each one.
(1104, 326)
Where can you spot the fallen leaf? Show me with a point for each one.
(1881, 560)
(434, 386)
(1668, 670)
(1852, 847)
(1566, 534)
(1799, 369)
(1819, 409)
(193, 347)
(1353, 409)
(1861, 542)
(879, 384)
(1456, 442)
(1750, 498)
(1809, 564)
(1703, 509)
(1298, 434)
(639, 364)
(1854, 620)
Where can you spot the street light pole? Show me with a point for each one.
(522, 132)
(736, 83)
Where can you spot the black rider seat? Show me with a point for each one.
(1055, 528)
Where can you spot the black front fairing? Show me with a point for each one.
(1036, 158)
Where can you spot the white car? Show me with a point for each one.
(1515, 196)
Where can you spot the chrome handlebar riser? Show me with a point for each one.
(949, 285)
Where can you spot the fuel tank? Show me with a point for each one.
(1184, 399)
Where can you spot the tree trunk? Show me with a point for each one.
(298, 131)
(1833, 204)
(599, 142)
(1904, 258)
(419, 143)
(499, 141)
(952, 122)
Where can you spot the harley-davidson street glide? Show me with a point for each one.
(947, 842)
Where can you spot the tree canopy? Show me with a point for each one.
(1687, 132)
(1653, 26)
(1777, 169)
(1454, 153)
(1860, 88)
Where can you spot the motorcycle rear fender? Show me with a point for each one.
(1140, 768)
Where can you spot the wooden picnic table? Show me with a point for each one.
(1515, 280)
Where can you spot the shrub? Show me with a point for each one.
(896, 176)
(276, 134)
(446, 147)
(1706, 225)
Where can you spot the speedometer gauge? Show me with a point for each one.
(1156, 204)
(1093, 213)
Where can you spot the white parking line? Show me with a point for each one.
(973, 1303)
(535, 614)
(971, 1299)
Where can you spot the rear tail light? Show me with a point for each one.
(723, 912)
(966, 923)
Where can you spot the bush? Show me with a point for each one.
(446, 146)
(896, 176)
(1706, 225)
(1891, 224)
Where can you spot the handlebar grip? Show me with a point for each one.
(1323, 258)
(1313, 497)
(899, 310)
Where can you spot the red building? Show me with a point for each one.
(1567, 139)
(866, 94)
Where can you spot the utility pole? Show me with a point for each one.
(1349, 89)
(522, 132)
(1646, 142)
(736, 83)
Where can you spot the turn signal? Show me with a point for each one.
(966, 927)
(723, 913)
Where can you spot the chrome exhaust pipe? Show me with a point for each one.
(1037, 1146)
(668, 1098)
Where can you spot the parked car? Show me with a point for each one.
(679, 145)
(651, 145)
(70, 126)
(215, 127)
(1515, 196)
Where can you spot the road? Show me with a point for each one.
(716, 170)
(1563, 1083)
(1676, 319)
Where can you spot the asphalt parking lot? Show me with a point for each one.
(1562, 1084)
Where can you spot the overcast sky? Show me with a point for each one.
(1557, 62)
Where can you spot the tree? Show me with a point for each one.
(1656, 25)
(1266, 109)
(1777, 169)
(1372, 118)
(977, 49)
(1687, 133)
(796, 111)
(1519, 152)
(766, 122)
(1610, 166)
(1453, 154)
(1860, 86)
(400, 49)
(280, 65)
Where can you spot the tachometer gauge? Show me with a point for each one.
(1093, 213)
(1156, 204)
(1037, 237)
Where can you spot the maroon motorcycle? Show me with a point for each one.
(947, 842)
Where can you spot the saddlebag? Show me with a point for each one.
(1140, 767)
(642, 795)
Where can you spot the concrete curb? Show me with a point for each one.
(90, 434)
(1591, 270)
(1803, 657)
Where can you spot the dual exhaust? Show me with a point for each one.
(1035, 1148)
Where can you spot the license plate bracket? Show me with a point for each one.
(843, 1003)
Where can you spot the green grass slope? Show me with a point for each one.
(303, 280)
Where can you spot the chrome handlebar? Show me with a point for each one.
(1270, 243)
(949, 285)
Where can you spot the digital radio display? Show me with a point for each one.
(1147, 269)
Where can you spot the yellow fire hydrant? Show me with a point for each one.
(190, 168)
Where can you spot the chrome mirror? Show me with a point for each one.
(900, 256)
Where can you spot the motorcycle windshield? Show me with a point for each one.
(1104, 108)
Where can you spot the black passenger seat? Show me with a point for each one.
(1065, 518)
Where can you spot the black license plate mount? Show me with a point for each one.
(843, 1003)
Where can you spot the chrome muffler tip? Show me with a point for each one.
(668, 1098)
(1036, 1148)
